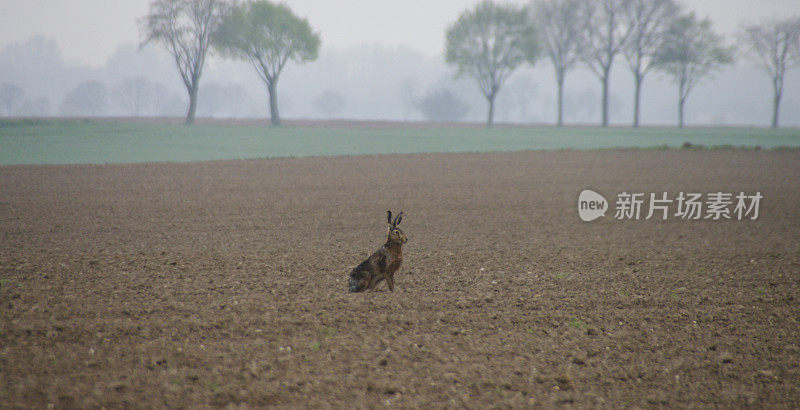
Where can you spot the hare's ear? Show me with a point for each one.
(389, 217)
(398, 219)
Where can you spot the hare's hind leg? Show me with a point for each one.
(374, 280)
(389, 280)
(359, 281)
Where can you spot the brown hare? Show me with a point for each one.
(383, 263)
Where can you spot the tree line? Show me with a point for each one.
(487, 43)
(491, 40)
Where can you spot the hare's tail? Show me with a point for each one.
(357, 281)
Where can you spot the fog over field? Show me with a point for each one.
(378, 59)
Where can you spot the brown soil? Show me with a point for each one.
(224, 283)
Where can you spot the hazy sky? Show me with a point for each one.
(88, 31)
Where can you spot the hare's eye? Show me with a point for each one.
(396, 232)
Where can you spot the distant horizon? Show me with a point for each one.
(351, 123)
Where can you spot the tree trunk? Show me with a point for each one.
(637, 93)
(604, 105)
(490, 120)
(682, 94)
(776, 104)
(560, 80)
(776, 101)
(190, 115)
(274, 115)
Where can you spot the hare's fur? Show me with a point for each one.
(383, 263)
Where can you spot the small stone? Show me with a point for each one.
(751, 398)
(564, 381)
(767, 373)
(119, 385)
(726, 357)
(658, 398)
(579, 359)
(391, 390)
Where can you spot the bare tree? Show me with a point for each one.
(88, 98)
(560, 24)
(184, 27)
(776, 44)
(408, 93)
(135, 95)
(442, 105)
(649, 21)
(606, 34)
(10, 97)
(34, 107)
(330, 103)
(690, 52)
(165, 102)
